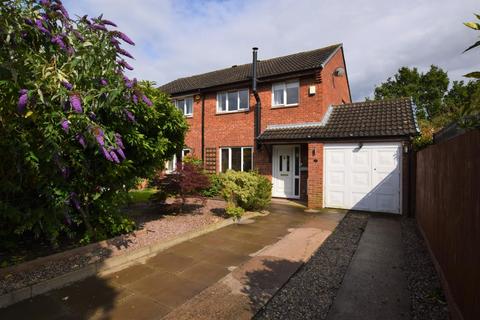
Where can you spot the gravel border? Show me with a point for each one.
(311, 291)
(154, 228)
(426, 293)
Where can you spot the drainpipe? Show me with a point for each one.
(258, 104)
(203, 128)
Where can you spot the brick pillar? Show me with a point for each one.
(315, 175)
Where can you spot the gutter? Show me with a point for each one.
(258, 104)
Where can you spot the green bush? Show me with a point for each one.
(247, 190)
(234, 211)
(215, 186)
(75, 132)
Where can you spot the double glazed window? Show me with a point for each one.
(232, 101)
(171, 165)
(236, 158)
(185, 105)
(285, 94)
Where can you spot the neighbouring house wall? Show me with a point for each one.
(315, 175)
(448, 213)
(193, 139)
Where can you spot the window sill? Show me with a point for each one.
(285, 106)
(188, 115)
(230, 112)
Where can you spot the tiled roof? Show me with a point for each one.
(382, 118)
(297, 62)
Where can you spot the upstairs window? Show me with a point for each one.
(239, 159)
(285, 94)
(185, 105)
(232, 101)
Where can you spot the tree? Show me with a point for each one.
(75, 132)
(426, 89)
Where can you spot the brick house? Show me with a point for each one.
(296, 124)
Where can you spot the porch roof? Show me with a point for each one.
(370, 119)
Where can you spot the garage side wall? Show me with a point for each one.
(315, 175)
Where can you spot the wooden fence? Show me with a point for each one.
(448, 214)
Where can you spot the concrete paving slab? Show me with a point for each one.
(375, 287)
(170, 262)
(129, 275)
(136, 307)
(204, 272)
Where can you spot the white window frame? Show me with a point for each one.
(284, 88)
(183, 152)
(238, 101)
(184, 107)
(173, 160)
(230, 157)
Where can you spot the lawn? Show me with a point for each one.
(139, 196)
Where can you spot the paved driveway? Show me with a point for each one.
(168, 280)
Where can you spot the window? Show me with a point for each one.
(285, 94)
(239, 159)
(171, 164)
(232, 101)
(186, 152)
(185, 105)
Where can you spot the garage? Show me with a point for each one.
(363, 176)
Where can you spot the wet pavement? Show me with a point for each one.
(173, 277)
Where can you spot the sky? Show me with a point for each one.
(179, 38)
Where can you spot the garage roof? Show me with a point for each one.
(369, 119)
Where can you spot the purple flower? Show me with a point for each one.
(147, 101)
(120, 153)
(70, 51)
(81, 139)
(130, 115)
(135, 99)
(124, 37)
(29, 21)
(92, 116)
(125, 64)
(99, 136)
(108, 22)
(59, 41)
(76, 103)
(124, 52)
(118, 140)
(39, 25)
(22, 100)
(114, 156)
(78, 35)
(103, 82)
(115, 42)
(128, 82)
(45, 3)
(74, 200)
(65, 125)
(99, 27)
(105, 153)
(67, 85)
(62, 9)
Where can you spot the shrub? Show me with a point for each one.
(234, 211)
(75, 132)
(215, 186)
(187, 179)
(247, 190)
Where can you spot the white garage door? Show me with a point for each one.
(363, 178)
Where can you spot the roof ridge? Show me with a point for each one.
(378, 101)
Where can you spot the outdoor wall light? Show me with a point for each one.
(314, 151)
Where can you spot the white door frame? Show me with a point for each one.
(379, 144)
(274, 152)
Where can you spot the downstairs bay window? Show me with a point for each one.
(236, 158)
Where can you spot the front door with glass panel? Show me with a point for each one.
(285, 173)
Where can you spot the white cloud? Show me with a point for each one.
(180, 38)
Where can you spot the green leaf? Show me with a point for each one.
(477, 15)
(476, 44)
(475, 75)
(40, 95)
(472, 25)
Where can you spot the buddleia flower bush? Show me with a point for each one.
(75, 132)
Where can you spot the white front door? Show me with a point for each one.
(285, 171)
(363, 178)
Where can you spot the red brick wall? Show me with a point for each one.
(315, 175)
(237, 129)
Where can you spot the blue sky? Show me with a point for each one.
(177, 38)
